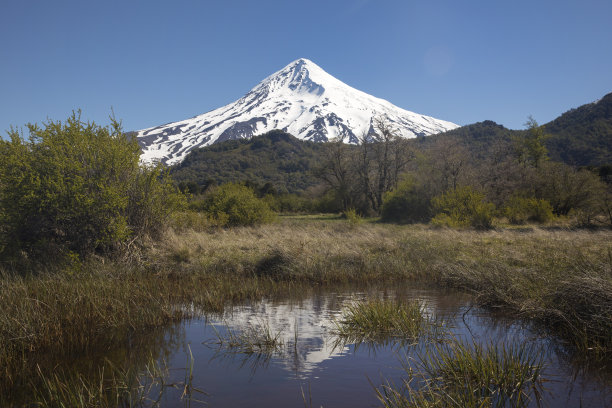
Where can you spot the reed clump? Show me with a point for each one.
(114, 386)
(254, 339)
(254, 345)
(111, 387)
(459, 374)
(380, 320)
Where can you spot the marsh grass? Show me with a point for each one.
(379, 320)
(253, 339)
(457, 374)
(67, 316)
(113, 387)
(255, 345)
(559, 279)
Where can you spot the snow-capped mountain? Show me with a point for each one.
(301, 99)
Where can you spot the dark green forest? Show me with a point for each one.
(583, 136)
(579, 137)
(276, 157)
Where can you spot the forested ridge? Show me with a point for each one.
(579, 137)
(276, 157)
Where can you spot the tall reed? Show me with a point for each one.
(464, 375)
(381, 320)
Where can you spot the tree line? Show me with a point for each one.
(443, 181)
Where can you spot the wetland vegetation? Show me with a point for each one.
(98, 252)
(558, 278)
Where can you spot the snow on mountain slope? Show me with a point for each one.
(300, 99)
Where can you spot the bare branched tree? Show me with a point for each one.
(361, 175)
(336, 171)
(383, 156)
(450, 163)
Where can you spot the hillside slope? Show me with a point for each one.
(275, 157)
(579, 137)
(583, 136)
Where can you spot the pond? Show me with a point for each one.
(311, 368)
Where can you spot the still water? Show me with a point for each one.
(312, 369)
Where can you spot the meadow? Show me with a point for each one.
(556, 278)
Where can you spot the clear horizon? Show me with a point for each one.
(157, 62)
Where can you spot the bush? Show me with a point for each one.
(463, 207)
(75, 188)
(352, 216)
(234, 204)
(567, 189)
(406, 203)
(520, 210)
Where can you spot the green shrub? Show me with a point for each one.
(517, 210)
(463, 207)
(75, 188)
(567, 188)
(352, 216)
(520, 210)
(234, 204)
(406, 203)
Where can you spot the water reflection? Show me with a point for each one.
(96, 367)
(341, 376)
(311, 358)
(306, 327)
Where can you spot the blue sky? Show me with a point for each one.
(155, 62)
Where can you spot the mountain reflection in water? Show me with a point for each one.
(311, 362)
